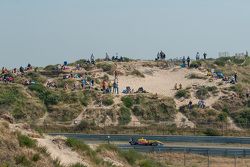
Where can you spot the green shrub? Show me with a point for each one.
(212, 132)
(104, 147)
(222, 117)
(78, 165)
(50, 68)
(85, 101)
(83, 148)
(125, 116)
(83, 125)
(36, 157)
(195, 64)
(236, 88)
(127, 101)
(48, 97)
(149, 163)
(131, 156)
(202, 93)
(242, 117)
(221, 61)
(36, 77)
(212, 89)
(137, 110)
(248, 103)
(137, 73)
(22, 160)
(52, 99)
(182, 93)
(26, 141)
(107, 100)
(9, 95)
(108, 67)
(196, 76)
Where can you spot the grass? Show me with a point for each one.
(22, 160)
(137, 73)
(36, 157)
(127, 101)
(242, 117)
(182, 93)
(78, 165)
(125, 116)
(107, 100)
(131, 156)
(48, 97)
(148, 108)
(25, 141)
(212, 132)
(34, 76)
(84, 125)
(108, 67)
(137, 159)
(202, 93)
(64, 112)
(83, 149)
(197, 76)
(195, 64)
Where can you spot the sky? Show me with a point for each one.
(44, 32)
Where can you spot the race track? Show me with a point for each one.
(204, 150)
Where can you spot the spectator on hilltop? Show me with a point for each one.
(188, 61)
(204, 56)
(197, 56)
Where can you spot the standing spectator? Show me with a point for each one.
(188, 61)
(197, 56)
(21, 70)
(190, 105)
(184, 61)
(205, 56)
(236, 77)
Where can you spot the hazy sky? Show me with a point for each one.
(50, 31)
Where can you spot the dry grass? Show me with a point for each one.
(177, 160)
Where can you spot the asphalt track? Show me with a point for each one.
(204, 150)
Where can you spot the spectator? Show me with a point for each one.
(197, 56)
(205, 56)
(188, 61)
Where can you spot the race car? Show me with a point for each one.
(145, 142)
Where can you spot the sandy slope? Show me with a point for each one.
(162, 81)
(61, 152)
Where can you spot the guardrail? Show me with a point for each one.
(212, 151)
(190, 139)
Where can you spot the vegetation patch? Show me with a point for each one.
(150, 108)
(108, 67)
(125, 116)
(26, 141)
(127, 101)
(182, 93)
(137, 73)
(202, 93)
(107, 100)
(197, 76)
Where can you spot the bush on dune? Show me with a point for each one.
(45, 95)
(108, 67)
(127, 101)
(125, 116)
(137, 73)
(182, 93)
(107, 100)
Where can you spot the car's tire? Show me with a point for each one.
(154, 144)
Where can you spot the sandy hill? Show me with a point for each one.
(53, 97)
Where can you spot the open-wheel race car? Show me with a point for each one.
(145, 142)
